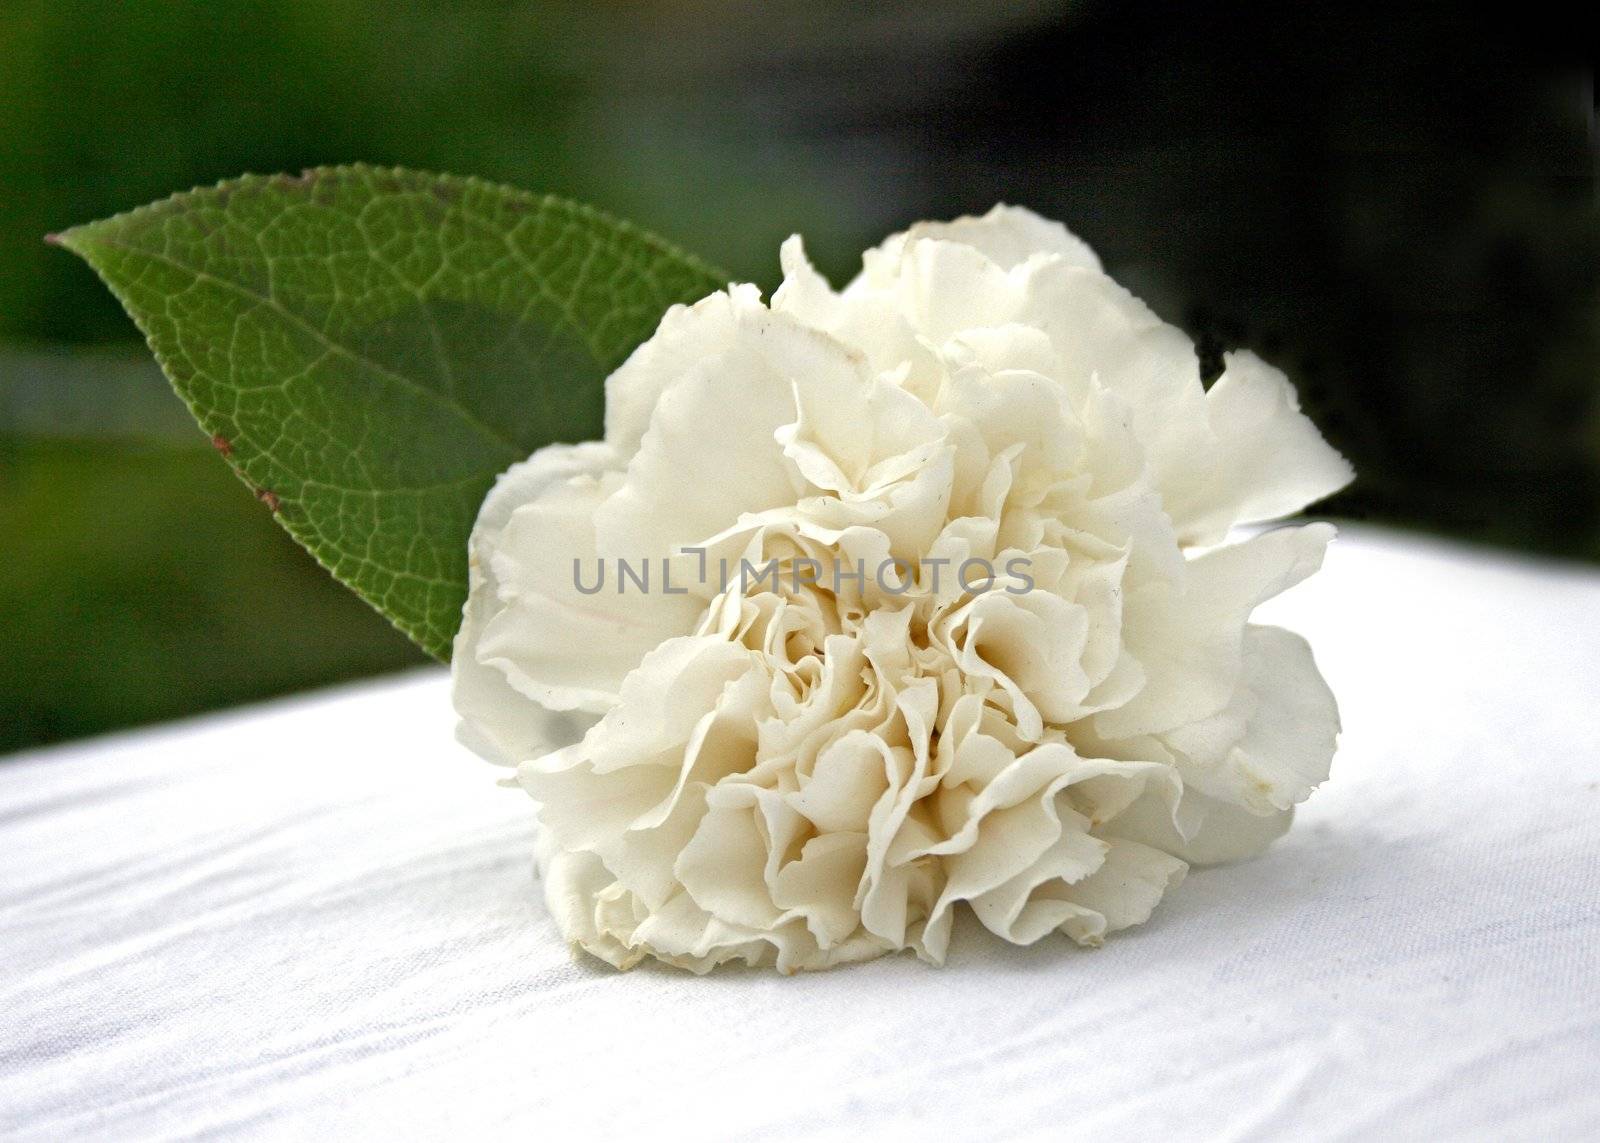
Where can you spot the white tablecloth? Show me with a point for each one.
(316, 917)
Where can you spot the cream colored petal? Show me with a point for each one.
(664, 701)
(710, 455)
(1213, 832)
(1001, 349)
(573, 885)
(1016, 910)
(858, 424)
(1273, 463)
(686, 336)
(587, 810)
(1103, 332)
(1021, 410)
(632, 766)
(883, 901)
(868, 319)
(1188, 640)
(682, 933)
(722, 866)
(1032, 646)
(946, 288)
(821, 886)
(1023, 830)
(850, 775)
(908, 514)
(1273, 742)
(569, 627)
(1009, 236)
(503, 724)
(1123, 892)
(642, 859)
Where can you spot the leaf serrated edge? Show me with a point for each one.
(306, 179)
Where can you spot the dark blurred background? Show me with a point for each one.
(1396, 203)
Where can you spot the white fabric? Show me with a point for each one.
(316, 917)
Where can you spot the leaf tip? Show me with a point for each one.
(70, 239)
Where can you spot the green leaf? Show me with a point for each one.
(369, 348)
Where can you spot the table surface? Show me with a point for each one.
(318, 915)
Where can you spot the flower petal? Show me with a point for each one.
(1272, 744)
(498, 721)
(1274, 462)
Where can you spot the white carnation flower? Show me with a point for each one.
(982, 644)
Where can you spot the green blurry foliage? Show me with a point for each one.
(143, 581)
